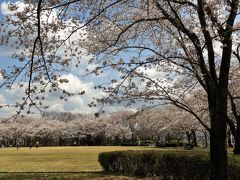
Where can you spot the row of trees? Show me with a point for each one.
(80, 131)
(123, 127)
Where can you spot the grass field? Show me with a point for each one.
(66, 163)
(55, 159)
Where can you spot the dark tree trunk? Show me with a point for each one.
(188, 137)
(235, 130)
(229, 138)
(237, 138)
(205, 141)
(193, 132)
(218, 150)
(206, 138)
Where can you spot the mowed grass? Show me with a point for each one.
(56, 159)
(58, 176)
(68, 162)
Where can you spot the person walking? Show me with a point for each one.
(17, 146)
(37, 144)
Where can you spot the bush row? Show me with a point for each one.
(168, 165)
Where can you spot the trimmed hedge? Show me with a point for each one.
(169, 165)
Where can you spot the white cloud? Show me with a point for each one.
(4, 9)
(75, 85)
(9, 9)
(116, 108)
(74, 104)
(152, 73)
(2, 99)
(91, 67)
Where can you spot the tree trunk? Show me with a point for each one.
(188, 137)
(237, 138)
(235, 130)
(218, 150)
(205, 138)
(229, 138)
(193, 132)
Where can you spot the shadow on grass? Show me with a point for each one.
(51, 175)
(100, 175)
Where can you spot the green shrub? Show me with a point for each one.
(169, 165)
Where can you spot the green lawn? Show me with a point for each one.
(70, 162)
(55, 159)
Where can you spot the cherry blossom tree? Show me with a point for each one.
(175, 121)
(83, 131)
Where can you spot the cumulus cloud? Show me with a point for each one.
(73, 84)
(4, 8)
(152, 73)
(10, 8)
(74, 104)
